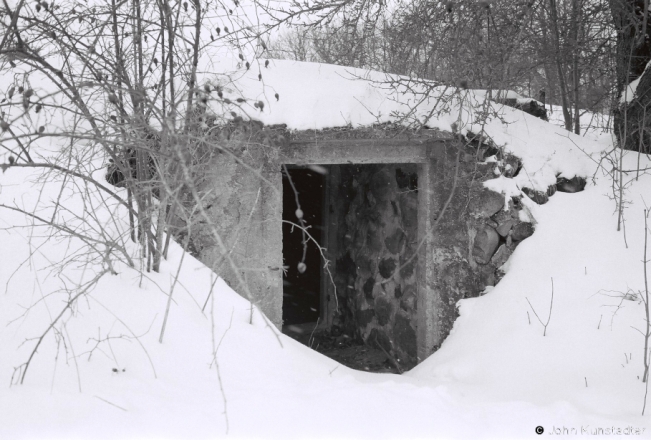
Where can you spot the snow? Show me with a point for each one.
(505, 94)
(593, 124)
(225, 372)
(314, 96)
(631, 89)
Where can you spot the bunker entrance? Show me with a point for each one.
(362, 309)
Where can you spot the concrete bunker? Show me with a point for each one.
(403, 219)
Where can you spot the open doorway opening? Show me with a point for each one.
(366, 217)
(303, 189)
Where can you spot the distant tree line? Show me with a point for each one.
(576, 54)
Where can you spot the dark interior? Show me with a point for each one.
(301, 291)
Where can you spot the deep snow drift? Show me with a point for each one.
(101, 372)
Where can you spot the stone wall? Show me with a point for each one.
(473, 237)
(478, 231)
(376, 209)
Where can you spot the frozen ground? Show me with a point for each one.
(101, 372)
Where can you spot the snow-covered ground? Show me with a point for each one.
(592, 124)
(101, 371)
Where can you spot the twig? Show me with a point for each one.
(214, 356)
(551, 304)
(391, 358)
(24, 367)
(74, 357)
(132, 334)
(326, 262)
(110, 403)
(309, 343)
(169, 296)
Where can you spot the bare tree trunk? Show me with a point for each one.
(553, 15)
(633, 53)
(576, 24)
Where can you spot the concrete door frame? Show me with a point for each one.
(389, 151)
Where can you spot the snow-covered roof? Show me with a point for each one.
(313, 96)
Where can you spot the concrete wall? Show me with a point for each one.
(243, 196)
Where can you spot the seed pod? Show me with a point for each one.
(301, 267)
(11, 91)
(4, 125)
(41, 129)
(299, 213)
(28, 93)
(38, 108)
(277, 97)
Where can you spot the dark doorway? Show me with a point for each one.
(302, 259)
(362, 310)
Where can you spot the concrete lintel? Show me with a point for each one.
(354, 151)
